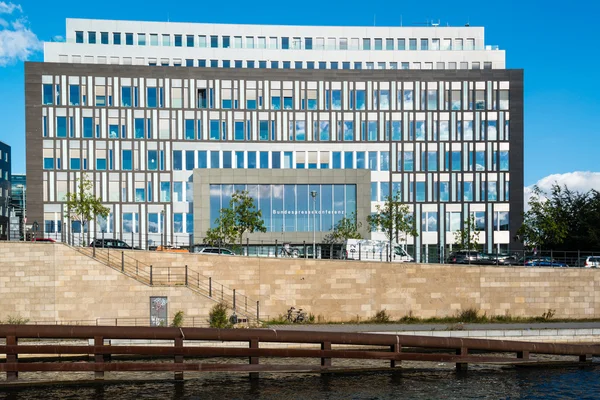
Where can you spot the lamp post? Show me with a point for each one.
(23, 219)
(313, 194)
(162, 229)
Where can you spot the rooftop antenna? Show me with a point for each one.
(401, 20)
(435, 23)
(468, 22)
(374, 19)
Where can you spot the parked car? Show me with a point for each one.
(43, 240)
(463, 257)
(111, 244)
(211, 250)
(592, 262)
(497, 259)
(544, 262)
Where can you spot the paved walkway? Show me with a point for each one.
(396, 327)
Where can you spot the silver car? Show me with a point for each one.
(211, 250)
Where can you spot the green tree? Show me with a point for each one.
(346, 228)
(394, 218)
(467, 237)
(81, 205)
(546, 224)
(239, 218)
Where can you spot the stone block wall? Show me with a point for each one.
(48, 282)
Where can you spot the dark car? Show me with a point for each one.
(497, 259)
(43, 240)
(111, 244)
(544, 262)
(463, 257)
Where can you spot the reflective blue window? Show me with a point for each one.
(151, 97)
(420, 191)
(360, 99)
(177, 160)
(504, 160)
(178, 41)
(337, 160)
(251, 159)
(126, 96)
(263, 130)
(239, 159)
(384, 161)
(348, 160)
(101, 164)
(202, 159)
(165, 191)
(214, 159)
(127, 161)
(74, 97)
(138, 128)
(48, 94)
(227, 159)
(468, 191)
(384, 190)
(373, 160)
(117, 38)
(177, 191)
(92, 37)
(75, 163)
(189, 160)
(432, 161)
(264, 159)
(374, 194)
(214, 129)
(88, 130)
(409, 161)
(214, 42)
(152, 160)
(190, 134)
(140, 195)
(238, 133)
(48, 163)
(78, 37)
(61, 127)
(492, 191)
(276, 160)
(444, 191)
(456, 161)
(360, 160)
(324, 131)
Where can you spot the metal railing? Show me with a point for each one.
(178, 343)
(175, 276)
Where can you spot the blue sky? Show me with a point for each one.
(556, 45)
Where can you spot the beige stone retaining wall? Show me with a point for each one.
(52, 281)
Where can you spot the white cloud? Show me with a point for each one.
(17, 41)
(9, 8)
(578, 181)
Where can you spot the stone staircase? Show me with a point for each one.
(174, 277)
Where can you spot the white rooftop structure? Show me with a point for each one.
(273, 46)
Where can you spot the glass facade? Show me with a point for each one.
(291, 208)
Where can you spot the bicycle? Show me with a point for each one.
(288, 251)
(294, 316)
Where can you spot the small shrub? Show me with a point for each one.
(381, 317)
(470, 315)
(177, 320)
(217, 318)
(310, 319)
(15, 320)
(409, 318)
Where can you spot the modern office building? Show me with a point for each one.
(168, 119)
(18, 183)
(5, 169)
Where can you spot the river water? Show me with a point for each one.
(434, 383)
